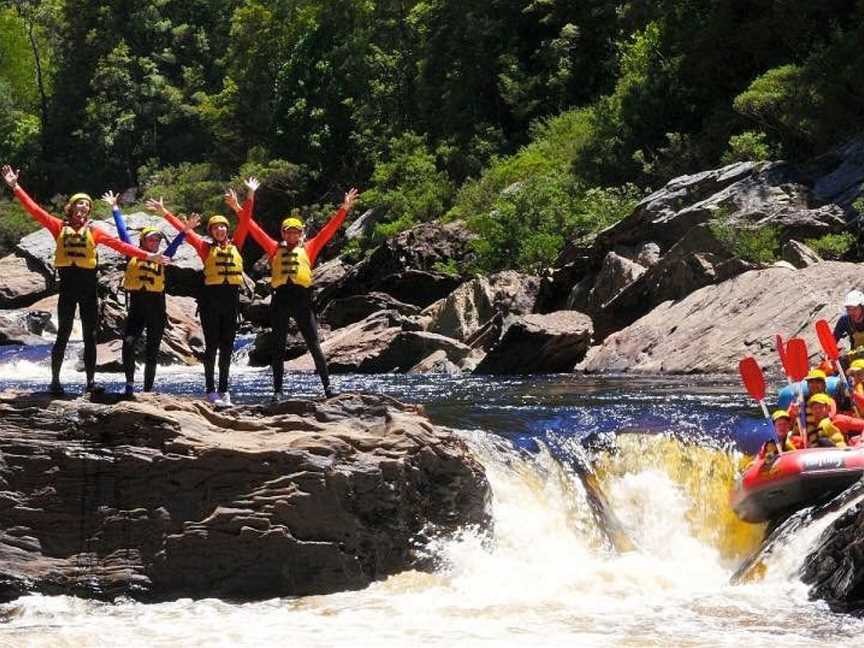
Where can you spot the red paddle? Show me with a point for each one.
(829, 346)
(754, 383)
(781, 351)
(799, 365)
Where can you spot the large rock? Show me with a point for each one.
(162, 498)
(799, 255)
(464, 311)
(380, 344)
(15, 328)
(710, 330)
(698, 260)
(261, 352)
(616, 274)
(835, 567)
(407, 266)
(347, 310)
(22, 281)
(539, 344)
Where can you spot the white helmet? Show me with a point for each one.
(855, 298)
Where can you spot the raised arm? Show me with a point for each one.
(191, 223)
(316, 244)
(201, 246)
(245, 224)
(110, 198)
(49, 222)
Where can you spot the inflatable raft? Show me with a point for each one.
(793, 480)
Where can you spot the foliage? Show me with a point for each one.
(186, 188)
(15, 223)
(832, 246)
(754, 244)
(407, 187)
(749, 146)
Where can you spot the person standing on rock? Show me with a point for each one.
(75, 260)
(291, 263)
(219, 301)
(144, 282)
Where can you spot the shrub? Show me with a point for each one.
(749, 146)
(832, 246)
(754, 244)
(15, 223)
(186, 187)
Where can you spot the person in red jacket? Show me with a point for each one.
(291, 263)
(219, 301)
(76, 261)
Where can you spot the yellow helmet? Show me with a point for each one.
(815, 374)
(216, 220)
(149, 230)
(79, 196)
(857, 365)
(292, 223)
(780, 413)
(825, 399)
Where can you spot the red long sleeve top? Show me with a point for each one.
(313, 246)
(201, 246)
(54, 225)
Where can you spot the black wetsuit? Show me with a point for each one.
(293, 301)
(146, 312)
(78, 289)
(219, 308)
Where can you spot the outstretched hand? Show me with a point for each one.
(157, 206)
(350, 198)
(158, 258)
(10, 175)
(231, 200)
(192, 221)
(252, 183)
(111, 198)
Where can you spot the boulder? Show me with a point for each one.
(648, 255)
(162, 497)
(698, 260)
(407, 266)
(22, 281)
(710, 330)
(464, 311)
(362, 226)
(834, 568)
(347, 310)
(539, 344)
(261, 352)
(379, 344)
(557, 284)
(799, 255)
(436, 362)
(15, 329)
(616, 274)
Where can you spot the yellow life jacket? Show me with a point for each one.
(291, 265)
(224, 265)
(75, 248)
(143, 275)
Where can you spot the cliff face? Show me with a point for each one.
(163, 497)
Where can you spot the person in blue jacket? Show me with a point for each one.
(145, 285)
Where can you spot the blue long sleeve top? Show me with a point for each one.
(123, 233)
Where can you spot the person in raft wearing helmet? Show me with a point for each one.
(782, 426)
(219, 300)
(75, 260)
(144, 282)
(816, 386)
(855, 373)
(291, 263)
(851, 324)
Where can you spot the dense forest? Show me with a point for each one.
(435, 108)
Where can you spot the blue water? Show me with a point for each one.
(522, 409)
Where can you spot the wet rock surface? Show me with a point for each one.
(163, 497)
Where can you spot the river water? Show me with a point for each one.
(547, 575)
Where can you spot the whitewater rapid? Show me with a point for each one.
(544, 576)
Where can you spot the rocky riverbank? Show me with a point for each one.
(163, 497)
(659, 291)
